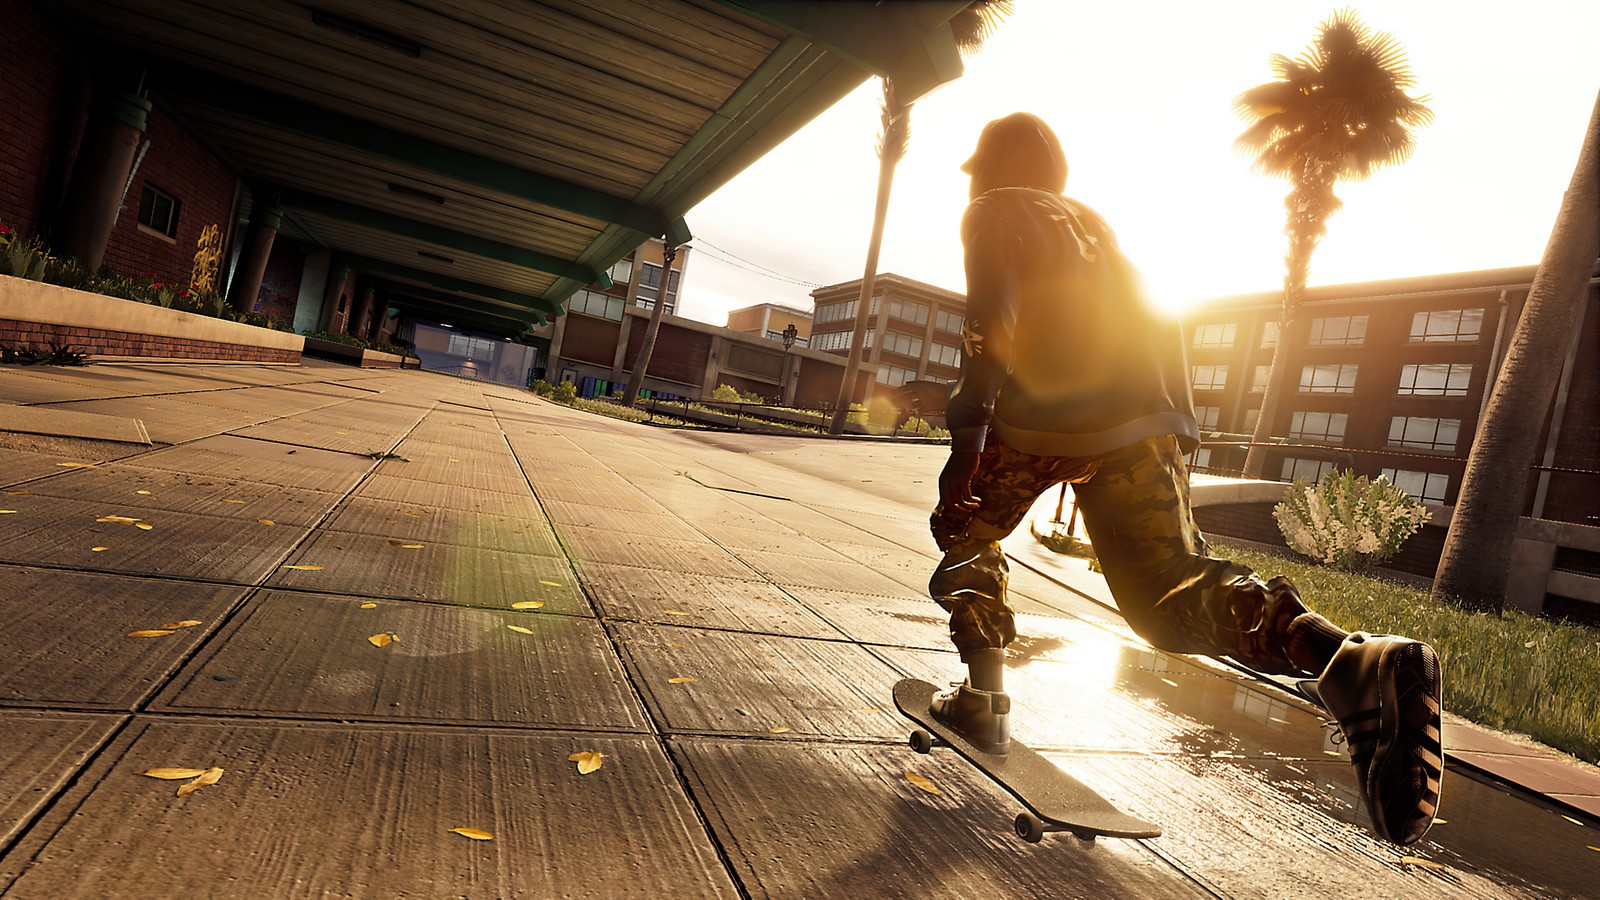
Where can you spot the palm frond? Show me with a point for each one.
(978, 22)
(894, 117)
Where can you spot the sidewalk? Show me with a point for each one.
(417, 597)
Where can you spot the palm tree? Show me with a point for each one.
(1338, 111)
(630, 397)
(971, 27)
(1477, 550)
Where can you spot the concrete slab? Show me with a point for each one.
(904, 621)
(57, 532)
(657, 522)
(421, 495)
(114, 486)
(445, 526)
(41, 753)
(67, 635)
(629, 592)
(229, 456)
(46, 420)
(365, 811)
(588, 546)
(806, 819)
(353, 435)
(18, 466)
(750, 684)
(169, 419)
(800, 571)
(508, 480)
(308, 655)
(373, 566)
(21, 386)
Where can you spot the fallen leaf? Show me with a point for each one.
(121, 520)
(78, 465)
(186, 623)
(1419, 861)
(384, 639)
(170, 774)
(674, 612)
(476, 834)
(146, 493)
(781, 729)
(587, 760)
(680, 680)
(98, 549)
(151, 632)
(6, 512)
(410, 546)
(412, 515)
(303, 568)
(453, 459)
(233, 501)
(210, 776)
(1573, 821)
(266, 521)
(527, 604)
(14, 493)
(142, 526)
(550, 583)
(369, 606)
(1595, 849)
(923, 783)
(520, 630)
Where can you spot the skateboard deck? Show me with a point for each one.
(1054, 799)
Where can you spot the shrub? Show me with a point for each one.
(1348, 522)
(725, 394)
(564, 392)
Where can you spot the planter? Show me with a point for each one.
(112, 329)
(357, 356)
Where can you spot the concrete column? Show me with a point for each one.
(245, 288)
(791, 378)
(338, 287)
(620, 357)
(558, 330)
(361, 315)
(100, 174)
(708, 384)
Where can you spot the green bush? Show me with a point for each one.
(564, 392)
(1348, 522)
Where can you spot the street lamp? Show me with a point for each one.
(789, 333)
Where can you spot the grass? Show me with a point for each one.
(1514, 672)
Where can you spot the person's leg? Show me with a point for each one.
(1384, 690)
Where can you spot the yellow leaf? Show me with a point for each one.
(146, 493)
(675, 612)
(98, 549)
(412, 515)
(476, 834)
(587, 760)
(78, 465)
(410, 546)
(781, 729)
(233, 501)
(550, 583)
(266, 521)
(1573, 821)
(170, 774)
(1595, 849)
(142, 526)
(151, 632)
(14, 493)
(923, 783)
(453, 459)
(210, 776)
(1419, 861)
(680, 680)
(6, 512)
(384, 639)
(303, 568)
(186, 623)
(121, 520)
(520, 630)
(527, 604)
(369, 606)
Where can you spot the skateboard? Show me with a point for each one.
(1055, 801)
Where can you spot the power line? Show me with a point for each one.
(728, 257)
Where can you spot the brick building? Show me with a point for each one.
(914, 331)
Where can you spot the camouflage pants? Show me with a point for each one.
(1135, 506)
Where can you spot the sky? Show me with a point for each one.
(1141, 95)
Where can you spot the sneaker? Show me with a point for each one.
(982, 717)
(1384, 692)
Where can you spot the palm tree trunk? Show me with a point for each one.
(1289, 335)
(1477, 550)
(648, 348)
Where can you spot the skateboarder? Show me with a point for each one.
(1067, 377)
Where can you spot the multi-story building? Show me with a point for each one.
(914, 330)
(770, 320)
(1392, 380)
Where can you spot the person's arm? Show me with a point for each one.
(986, 340)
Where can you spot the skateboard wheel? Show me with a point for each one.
(1029, 828)
(921, 741)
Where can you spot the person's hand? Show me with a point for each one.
(955, 481)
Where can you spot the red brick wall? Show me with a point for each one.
(680, 354)
(589, 339)
(180, 165)
(37, 81)
(101, 342)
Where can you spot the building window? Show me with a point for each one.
(949, 321)
(778, 336)
(1251, 417)
(622, 272)
(594, 303)
(1446, 325)
(894, 376)
(834, 312)
(1338, 330)
(1269, 334)
(833, 340)
(1214, 336)
(1200, 458)
(471, 347)
(944, 355)
(909, 311)
(1424, 433)
(1206, 416)
(158, 211)
(1333, 378)
(904, 344)
(1310, 469)
(1428, 487)
(650, 287)
(1209, 378)
(1258, 383)
(1435, 379)
(1318, 426)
